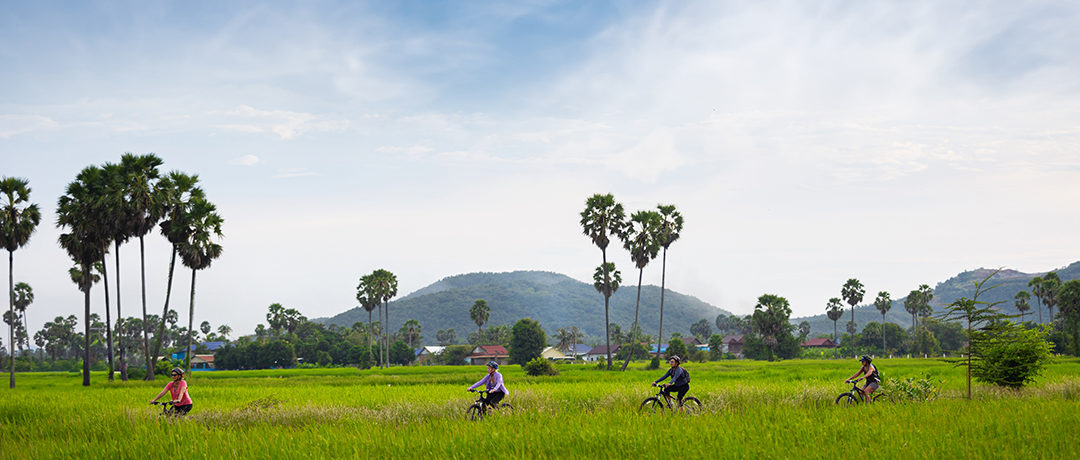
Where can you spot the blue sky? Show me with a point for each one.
(804, 142)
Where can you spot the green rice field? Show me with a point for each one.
(751, 410)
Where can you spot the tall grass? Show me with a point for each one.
(751, 409)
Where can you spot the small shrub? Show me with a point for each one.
(654, 363)
(913, 389)
(700, 356)
(539, 366)
(1011, 355)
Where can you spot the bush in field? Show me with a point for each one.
(527, 341)
(454, 355)
(1011, 355)
(539, 366)
(640, 352)
(700, 356)
(912, 389)
(654, 363)
(716, 346)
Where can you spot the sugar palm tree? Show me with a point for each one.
(642, 241)
(223, 331)
(1051, 285)
(18, 220)
(369, 301)
(602, 219)
(24, 296)
(479, 314)
(386, 286)
(883, 303)
(199, 251)
(670, 228)
(563, 339)
(852, 292)
(1021, 302)
(140, 184)
(834, 310)
(177, 193)
(77, 212)
(606, 280)
(1036, 290)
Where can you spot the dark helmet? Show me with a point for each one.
(177, 370)
(677, 359)
(493, 365)
(866, 359)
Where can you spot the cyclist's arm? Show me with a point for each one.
(666, 374)
(481, 382)
(861, 370)
(160, 394)
(183, 394)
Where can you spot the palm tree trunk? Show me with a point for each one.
(607, 320)
(108, 314)
(663, 275)
(190, 324)
(119, 317)
(883, 352)
(145, 326)
(1039, 303)
(86, 324)
(633, 330)
(386, 306)
(11, 308)
(370, 355)
(164, 313)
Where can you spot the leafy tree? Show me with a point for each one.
(834, 311)
(24, 296)
(804, 330)
(701, 329)
(980, 315)
(852, 292)
(1021, 302)
(640, 239)
(731, 324)
(446, 337)
(454, 355)
(479, 314)
(401, 353)
(178, 192)
(198, 251)
(601, 219)
(770, 319)
(883, 303)
(18, 220)
(1069, 299)
(224, 330)
(1010, 354)
(716, 346)
(950, 335)
(671, 224)
(77, 212)
(875, 333)
(410, 331)
(564, 339)
(539, 366)
(527, 341)
(676, 348)
(139, 176)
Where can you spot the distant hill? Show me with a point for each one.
(553, 299)
(945, 293)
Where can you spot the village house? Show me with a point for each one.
(482, 354)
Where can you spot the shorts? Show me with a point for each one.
(680, 390)
(871, 386)
(494, 398)
(182, 410)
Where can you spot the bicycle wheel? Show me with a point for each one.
(474, 412)
(847, 399)
(883, 398)
(691, 405)
(506, 408)
(651, 406)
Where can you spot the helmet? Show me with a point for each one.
(676, 358)
(177, 370)
(865, 359)
(493, 365)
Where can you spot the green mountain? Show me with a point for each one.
(945, 293)
(553, 299)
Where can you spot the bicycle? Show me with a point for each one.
(856, 395)
(168, 409)
(480, 408)
(657, 404)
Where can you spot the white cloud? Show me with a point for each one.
(286, 124)
(13, 125)
(246, 160)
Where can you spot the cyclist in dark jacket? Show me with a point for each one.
(870, 373)
(680, 380)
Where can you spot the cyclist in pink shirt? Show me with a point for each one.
(178, 391)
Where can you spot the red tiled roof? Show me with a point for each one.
(734, 339)
(820, 342)
(489, 350)
(207, 358)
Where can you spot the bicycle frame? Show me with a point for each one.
(664, 398)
